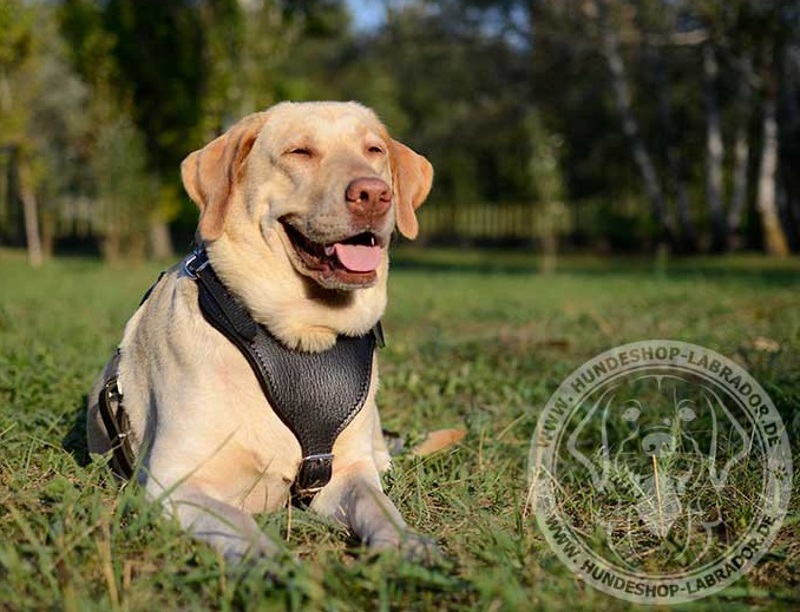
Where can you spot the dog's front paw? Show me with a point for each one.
(412, 546)
(420, 549)
(275, 570)
(241, 551)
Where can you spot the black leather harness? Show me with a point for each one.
(316, 395)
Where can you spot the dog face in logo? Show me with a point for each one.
(652, 423)
(659, 440)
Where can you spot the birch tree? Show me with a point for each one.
(775, 241)
(654, 52)
(715, 152)
(17, 58)
(772, 25)
(610, 47)
(741, 153)
(41, 104)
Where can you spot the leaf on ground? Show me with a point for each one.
(438, 440)
(766, 345)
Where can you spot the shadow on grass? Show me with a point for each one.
(74, 442)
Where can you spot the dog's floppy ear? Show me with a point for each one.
(210, 174)
(412, 175)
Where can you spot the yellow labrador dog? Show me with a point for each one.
(297, 207)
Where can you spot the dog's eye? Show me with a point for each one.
(375, 150)
(686, 414)
(305, 152)
(631, 414)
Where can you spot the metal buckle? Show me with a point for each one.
(189, 261)
(315, 472)
(117, 427)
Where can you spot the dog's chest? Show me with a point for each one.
(315, 394)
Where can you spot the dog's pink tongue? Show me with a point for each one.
(358, 257)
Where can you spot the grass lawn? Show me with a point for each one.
(475, 340)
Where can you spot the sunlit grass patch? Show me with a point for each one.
(479, 347)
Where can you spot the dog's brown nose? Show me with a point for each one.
(368, 197)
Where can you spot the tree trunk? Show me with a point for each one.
(790, 125)
(741, 159)
(160, 240)
(715, 152)
(675, 164)
(547, 265)
(619, 81)
(48, 236)
(767, 202)
(30, 211)
(110, 246)
(688, 233)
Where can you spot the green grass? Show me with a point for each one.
(475, 340)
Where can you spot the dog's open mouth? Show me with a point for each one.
(345, 264)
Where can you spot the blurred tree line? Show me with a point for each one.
(605, 124)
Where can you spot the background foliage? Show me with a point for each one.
(617, 124)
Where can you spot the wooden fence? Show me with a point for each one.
(493, 222)
(502, 223)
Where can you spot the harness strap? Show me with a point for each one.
(116, 421)
(316, 395)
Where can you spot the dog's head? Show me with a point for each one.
(325, 177)
(304, 198)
